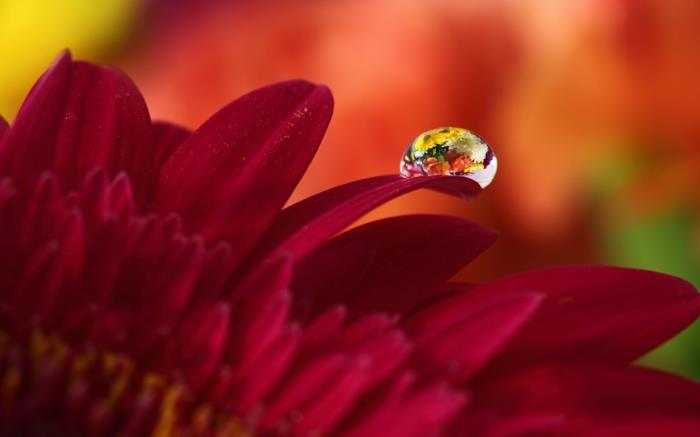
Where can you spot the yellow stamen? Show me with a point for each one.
(179, 412)
(10, 385)
(168, 411)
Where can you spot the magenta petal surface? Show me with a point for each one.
(3, 127)
(388, 265)
(587, 396)
(459, 335)
(302, 227)
(166, 138)
(231, 177)
(34, 131)
(79, 116)
(597, 312)
(650, 428)
(401, 409)
(266, 298)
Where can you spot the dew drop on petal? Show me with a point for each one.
(450, 151)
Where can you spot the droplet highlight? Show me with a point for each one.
(450, 151)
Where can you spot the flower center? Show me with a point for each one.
(47, 388)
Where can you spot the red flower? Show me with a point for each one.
(152, 284)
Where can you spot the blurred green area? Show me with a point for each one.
(663, 243)
(663, 239)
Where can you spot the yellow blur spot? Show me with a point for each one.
(201, 420)
(33, 32)
(232, 428)
(10, 386)
(167, 420)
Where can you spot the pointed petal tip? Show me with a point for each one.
(283, 263)
(302, 90)
(77, 116)
(266, 137)
(317, 97)
(673, 285)
(354, 264)
(325, 92)
(62, 57)
(605, 313)
(680, 283)
(303, 226)
(579, 389)
(302, 86)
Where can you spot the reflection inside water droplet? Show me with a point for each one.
(450, 151)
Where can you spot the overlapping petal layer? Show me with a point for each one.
(82, 280)
(390, 265)
(577, 399)
(79, 116)
(231, 177)
(304, 226)
(167, 137)
(3, 127)
(597, 313)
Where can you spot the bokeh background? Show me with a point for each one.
(592, 106)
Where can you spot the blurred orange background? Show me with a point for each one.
(591, 106)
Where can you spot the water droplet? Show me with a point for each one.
(450, 151)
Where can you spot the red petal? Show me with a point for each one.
(231, 177)
(324, 326)
(389, 265)
(331, 404)
(261, 308)
(268, 371)
(599, 313)
(305, 385)
(93, 199)
(426, 412)
(356, 331)
(106, 123)
(44, 215)
(271, 276)
(28, 148)
(387, 352)
(199, 343)
(651, 428)
(52, 269)
(39, 279)
(458, 336)
(530, 424)
(587, 396)
(103, 262)
(423, 412)
(3, 127)
(76, 117)
(167, 137)
(121, 198)
(215, 273)
(302, 227)
(11, 217)
(262, 328)
(164, 303)
(373, 336)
